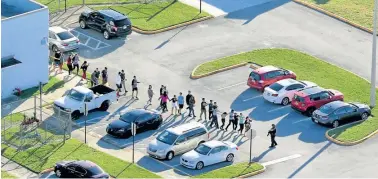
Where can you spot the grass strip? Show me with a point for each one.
(158, 15)
(5, 174)
(312, 69)
(232, 171)
(38, 159)
(51, 85)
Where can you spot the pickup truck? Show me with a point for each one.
(97, 97)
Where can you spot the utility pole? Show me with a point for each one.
(374, 58)
(200, 6)
(85, 121)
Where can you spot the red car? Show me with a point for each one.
(267, 75)
(310, 99)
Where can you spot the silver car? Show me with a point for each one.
(338, 112)
(62, 40)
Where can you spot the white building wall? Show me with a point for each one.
(23, 37)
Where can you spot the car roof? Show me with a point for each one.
(337, 104)
(82, 89)
(214, 143)
(57, 29)
(178, 130)
(287, 82)
(310, 91)
(113, 14)
(266, 69)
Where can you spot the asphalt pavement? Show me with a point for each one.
(168, 58)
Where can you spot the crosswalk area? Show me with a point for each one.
(89, 41)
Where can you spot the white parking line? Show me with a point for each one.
(252, 98)
(301, 120)
(226, 87)
(173, 167)
(89, 38)
(282, 159)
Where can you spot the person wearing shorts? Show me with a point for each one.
(174, 104)
(180, 101)
(134, 86)
(57, 57)
(150, 93)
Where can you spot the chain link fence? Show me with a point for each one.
(25, 124)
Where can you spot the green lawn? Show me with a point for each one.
(13, 136)
(5, 174)
(50, 86)
(54, 4)
(232, 171)
(14, 117)
(158, 15)
(358, 11)
(325, 75)
(38, 159)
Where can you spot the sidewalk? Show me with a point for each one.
(15, 169)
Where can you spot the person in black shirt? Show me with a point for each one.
(272, 133)
(123, 80)
(203, 108)
(236, 120)
(57, 57)
(211, 109)
(104, 75)
(84, 67)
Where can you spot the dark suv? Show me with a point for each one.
(109, 22)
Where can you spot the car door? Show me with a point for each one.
(269, 78)
(70, 171)
(100, 21)
(352, 113)
(143, 122)
(52, 39)
(91, 21)
(279, 75)
(152, 121)
(215, 155)
(341, 115)
(193, 138)
(80, 172)
(180, 145)
(90, 101)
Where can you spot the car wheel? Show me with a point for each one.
(230, 158)
(199, 165)
(170, 155)
(83, 24)
(285, 101)
(364, 116)
(310, 111)
(104, 106)
(335, 124)
(75, 115)
(58, 173)
(106, 35)
(54, 48)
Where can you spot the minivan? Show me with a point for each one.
(178, 140)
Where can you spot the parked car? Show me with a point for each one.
(145, 119)
(79, 169)
(309, 99)
(337, 112)
(97, 97)
(267, 75)
(178, 140)
(281, 92)
(209, 153)
(62, 39)
(109, 22)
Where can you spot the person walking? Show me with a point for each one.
(247, 124)
(203, 108)
(210, 109)
(134, 85)
(123, 81)
(161, 94)
(214, 119)
(164, 98)
(118, 83)
(84, 68)
(272, 133)
(94, 78)
(180, 101)
(75, 62)
(190, 101)
(236, 121)
(57, 57)
(231, 119)
(223, 119)
(69, 64)
(241, 123)
(150, 93)
(174, 104)
(104, 75)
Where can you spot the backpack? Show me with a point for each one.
(193, 100)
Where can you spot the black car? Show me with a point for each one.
(79, 169)
(109, 22)
(143, 118)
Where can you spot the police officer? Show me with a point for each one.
(272, 133)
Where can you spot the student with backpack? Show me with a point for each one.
(203, 108)
(190, 100)
(69, 64)
(104, 75)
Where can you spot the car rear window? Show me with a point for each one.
(121, 23)
(298, 98)
(65, 35)
(95, 170)
(326, 109)
(276, 87)
(255, 76)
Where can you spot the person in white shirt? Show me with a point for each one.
(119, 83)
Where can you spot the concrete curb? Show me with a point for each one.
(149, 32)
(192, 76)
(330, 138)
(319, 9)
(253, 173)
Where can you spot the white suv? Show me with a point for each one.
(178, 140)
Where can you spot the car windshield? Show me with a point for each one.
(73, 94)
(254, 76)
(167, 137)
(120, 23)
(326, 109)
(276, 87)
(298, 98)
(95, 170)
(65, 35)
(129, 117)
(203, 149)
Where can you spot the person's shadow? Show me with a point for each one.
(262, 155)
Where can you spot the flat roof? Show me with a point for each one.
(11, 8)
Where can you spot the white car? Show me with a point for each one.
(282, 92)
(209, 153)
(61, 39)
